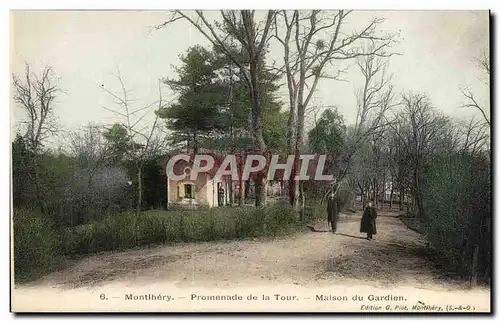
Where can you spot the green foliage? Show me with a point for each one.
(315, 211)
(452, 203)
(23, 192)
(215, 113)
(344, 195)
(56, 169)
(274, 127)
(329, 133)
(154, 188)
(445, 192)
(127, 230)
(119, 139)
(197, 111)
(36, 244)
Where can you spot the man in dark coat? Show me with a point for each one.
(332, 210)
(368, 221)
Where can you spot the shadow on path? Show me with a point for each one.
(314, 230)
(391, 262)
(347, 235)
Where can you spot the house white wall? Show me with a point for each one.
(200, 189)
(205, 193)
(209, 193)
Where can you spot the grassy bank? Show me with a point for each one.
(39, 247)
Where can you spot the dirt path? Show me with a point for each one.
(395, 259)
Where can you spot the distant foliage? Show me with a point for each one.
(344, 195)
(457, 200)
(90, 196)
(329, 133)
(36, 244)
(23, 192)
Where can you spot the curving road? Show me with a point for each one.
(303, 266)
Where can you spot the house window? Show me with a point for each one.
(189, 191)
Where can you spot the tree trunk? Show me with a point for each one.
(231, 193)
(299, 134)
(260, 192)
(383, 193)
(302, 202)
(167, 188)
(298, 148)
(256, 110)
(401, 198)
(391, 196)
(241, 199)
(474, 269)
(353, 205)
(188, 142)
(292, 125)
(139, 189)
(247, 184)
(89, 197)
(294, 185)
(38, 184)
(260, 145)
(418, 196)
(195, 142)
(410, 206)
(362, 191)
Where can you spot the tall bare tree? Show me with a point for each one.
(423, 134)
(312, 42)
(374, 100)
(97, 182)
(472, 135)
(483, 63)
(36, 95)
(252, 37)
(89, 149)
(88, 146)
(142, 142)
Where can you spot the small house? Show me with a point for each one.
(203, 190)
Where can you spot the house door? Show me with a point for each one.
(189, 191)
(220, 194)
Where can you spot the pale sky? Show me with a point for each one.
(85, 48)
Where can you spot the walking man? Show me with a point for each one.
(368, 221)
(332, 210)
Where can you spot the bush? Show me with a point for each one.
(90, 196)
(279, 220)
(344, 195)
(128, 230)
(36, 244)
(444, 197)
(315, 212)
(456, 199)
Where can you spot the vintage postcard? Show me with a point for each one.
(250, 161)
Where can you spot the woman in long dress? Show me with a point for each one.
(368, 221)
